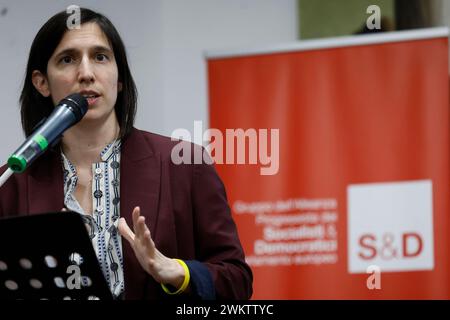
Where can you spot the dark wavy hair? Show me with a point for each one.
(34, 107)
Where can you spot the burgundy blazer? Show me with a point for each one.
(185, 208)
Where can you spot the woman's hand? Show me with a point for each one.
(162, 269)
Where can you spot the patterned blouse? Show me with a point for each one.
(103, 222)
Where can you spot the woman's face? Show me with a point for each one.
(83, 62)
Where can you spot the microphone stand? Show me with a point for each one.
(5, 176)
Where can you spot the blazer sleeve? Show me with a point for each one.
(217, 242)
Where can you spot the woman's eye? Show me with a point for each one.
(101, 57)
(66, 59)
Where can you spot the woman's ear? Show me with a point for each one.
(40, 82)
(119, 86)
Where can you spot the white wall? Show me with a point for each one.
(165, 40)
(191, 27)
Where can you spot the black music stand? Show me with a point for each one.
(49, 256)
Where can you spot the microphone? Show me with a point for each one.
(68, 112)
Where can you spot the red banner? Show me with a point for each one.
(357, 206)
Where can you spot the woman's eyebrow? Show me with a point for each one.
(68, 51)
(101, 49)
(73, 51)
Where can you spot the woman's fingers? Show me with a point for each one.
(135, 216)
(148, 242)
(140, 230)
(125, 231)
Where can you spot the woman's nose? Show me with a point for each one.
(86, 72)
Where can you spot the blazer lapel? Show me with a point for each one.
(45, 185)
(140, 179)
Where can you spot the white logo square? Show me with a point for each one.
(390, 225)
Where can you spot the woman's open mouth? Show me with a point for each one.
(91, 98)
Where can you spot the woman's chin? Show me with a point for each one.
(93, 116)
(90, 117)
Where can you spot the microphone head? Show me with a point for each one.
(77, 103)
